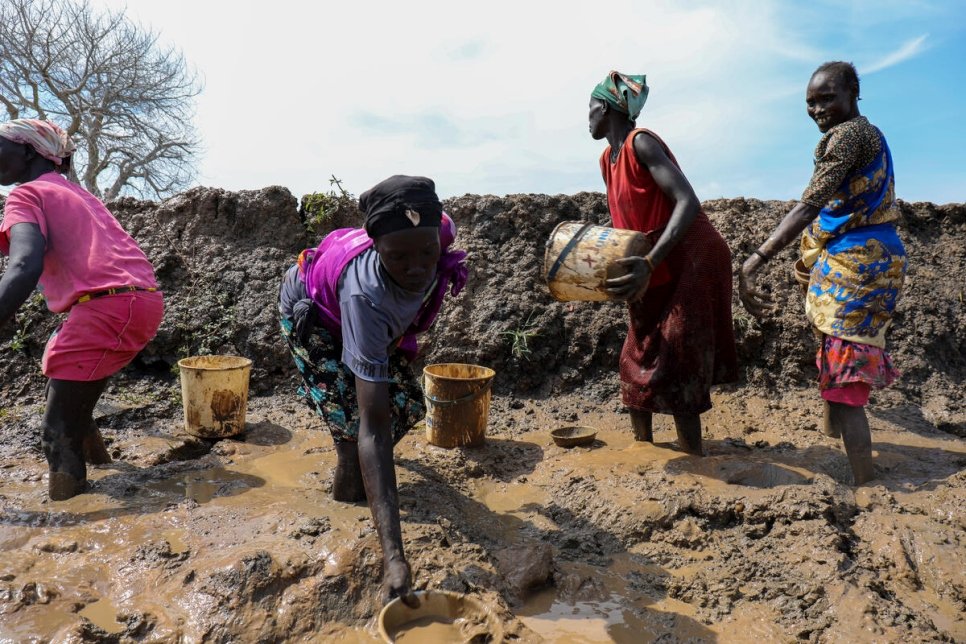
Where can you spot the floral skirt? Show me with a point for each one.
(848, 370)
(329, 386)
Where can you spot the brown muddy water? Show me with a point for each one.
(762, 540)
(430, 630)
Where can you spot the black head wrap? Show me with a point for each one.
(399, 203)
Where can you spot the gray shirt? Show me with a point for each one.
(375, 314)
(290, 292)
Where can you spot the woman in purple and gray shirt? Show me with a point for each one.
(350, 311)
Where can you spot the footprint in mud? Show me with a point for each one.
(747, 473)
(765, 475)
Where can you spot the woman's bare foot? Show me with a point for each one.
(95, 451)
(63, 486)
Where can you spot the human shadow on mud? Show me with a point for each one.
(583, 549)
(143, 490)
(896, 466)
(265, 433)
(505, 460)
(924, 468)
(910, 417)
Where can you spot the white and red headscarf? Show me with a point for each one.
(49, 140)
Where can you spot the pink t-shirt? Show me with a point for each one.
(87, 250)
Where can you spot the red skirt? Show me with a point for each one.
(101, 336)
(680, 337)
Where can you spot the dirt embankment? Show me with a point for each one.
(237, 540)
(219, 255)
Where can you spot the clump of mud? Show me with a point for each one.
(238, 540)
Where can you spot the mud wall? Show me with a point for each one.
(219, 256)
(572, 345)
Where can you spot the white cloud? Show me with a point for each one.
(492, 97)
(909, 49)
(483, 97)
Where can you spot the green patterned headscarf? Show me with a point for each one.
(626, 93)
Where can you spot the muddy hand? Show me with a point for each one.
(755, 301)
(398, 581)
(633, 285)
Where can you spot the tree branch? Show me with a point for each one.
(126, 100)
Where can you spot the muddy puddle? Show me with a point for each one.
(605, 607)
(762, 540)
(430, 630)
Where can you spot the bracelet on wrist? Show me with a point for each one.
(761, 254)
(649, 262)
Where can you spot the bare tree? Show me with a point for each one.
(127, 101)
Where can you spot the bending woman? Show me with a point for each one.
(61, 236)
(680, 338)
(848, 214)
(350, 311)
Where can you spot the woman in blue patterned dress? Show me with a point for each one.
(847, 220)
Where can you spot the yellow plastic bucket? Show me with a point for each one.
(214, 390)
(457, 403)
(580, 257)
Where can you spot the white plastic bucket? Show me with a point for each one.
(214, 390)
(580, 258)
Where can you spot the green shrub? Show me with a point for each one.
(31, 310)
(325, 211)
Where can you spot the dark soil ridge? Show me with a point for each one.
(219, 256)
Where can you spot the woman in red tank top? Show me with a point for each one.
(680, 338)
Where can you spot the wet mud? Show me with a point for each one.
(187, 539)
(762, 538)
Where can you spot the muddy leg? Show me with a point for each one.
(95, 451)
(689, 433)
(93, 447)
(68, 474)
(828, 428)
(642, 423)
(854, 427)
(68, 416)
(347, 485)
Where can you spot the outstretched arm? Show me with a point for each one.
(755, 301)
(23, 270)
(379, 478)
(669, 178)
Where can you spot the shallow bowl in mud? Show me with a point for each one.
(573, 436)
(442, 616)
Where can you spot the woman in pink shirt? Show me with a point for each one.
(63, 240)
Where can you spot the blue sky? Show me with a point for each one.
(491, 98)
